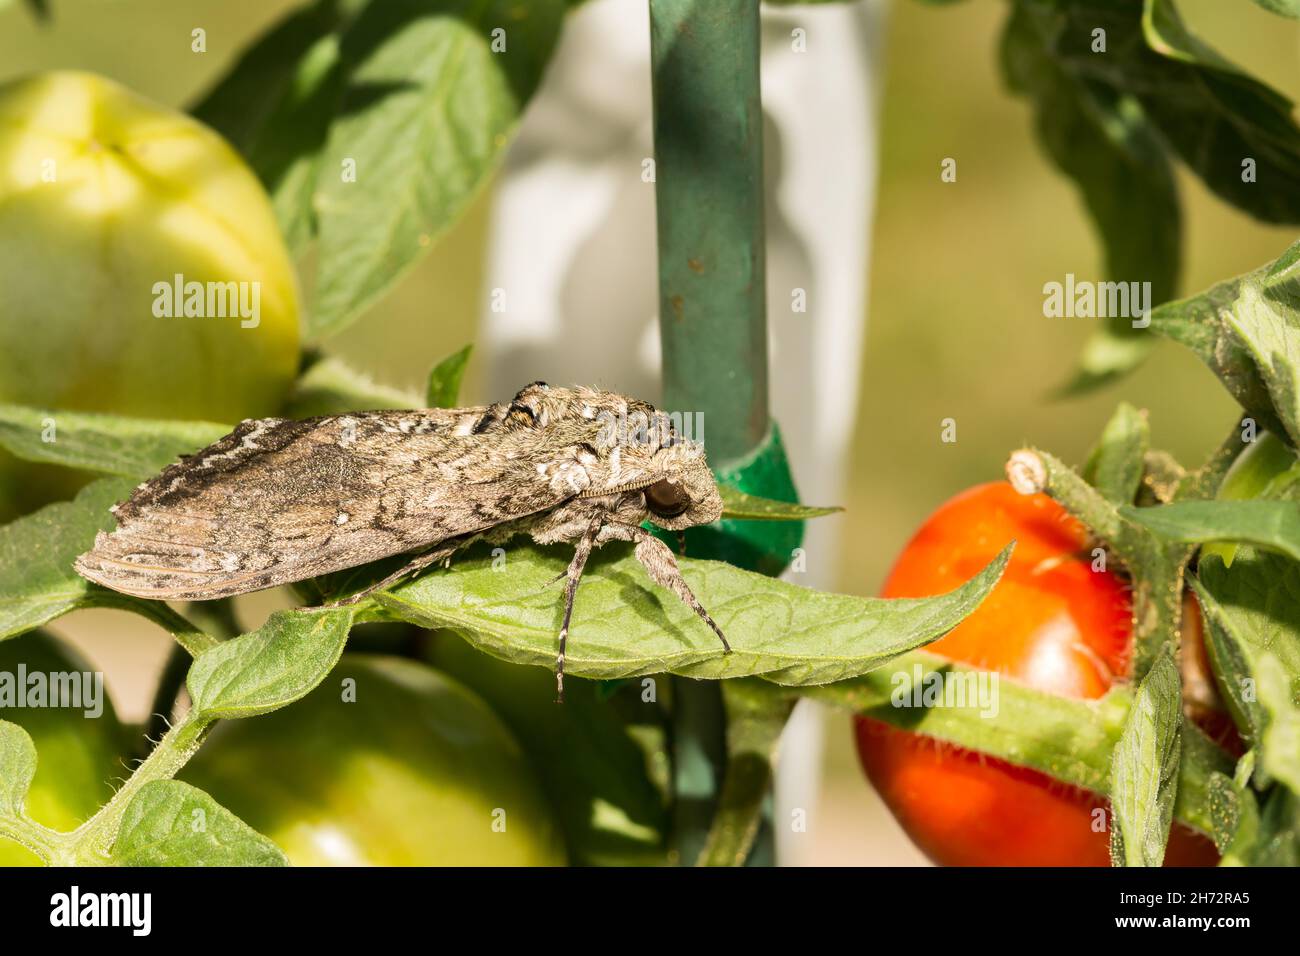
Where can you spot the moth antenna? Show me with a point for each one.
(681, 542)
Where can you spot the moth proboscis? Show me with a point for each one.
(280, 500)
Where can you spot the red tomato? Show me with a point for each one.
(1052, 623)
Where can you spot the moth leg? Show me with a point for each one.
(658, 561)
(581, 552)
(419, 563)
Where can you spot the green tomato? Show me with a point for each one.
(387, 763)
(77, 757)
(601, 757)
(105, 198)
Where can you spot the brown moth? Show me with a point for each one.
(278, 501)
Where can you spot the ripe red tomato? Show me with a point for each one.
(1051, 623)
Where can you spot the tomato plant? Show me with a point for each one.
(1055, 622)
(1145, 631)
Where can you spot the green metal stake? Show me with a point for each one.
(708, 131)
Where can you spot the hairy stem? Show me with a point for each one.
(95, 838)
(50, 845)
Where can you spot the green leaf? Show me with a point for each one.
(286, 156)
(276, 102)
(1115, 466)
(1283, 8)
(1097, 135)
(1203, 323)
(1226, 805)
(330, 387)
(1215, 116)
(1278, 839)
(1230, 660)
(625, 626)
(1246, 329)
(36, 555)
(1280, 743)
(169, 823)
(1235, 811)
(268, 668)
(426, 115)
(445, 378)
(1211, 114)
(745, 507)
(1144, 769)
(1266, 319)
(17, 768)
(1274, 525)
(240, 105)
(134, 447)
(1252, 608)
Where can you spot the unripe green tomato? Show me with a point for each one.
(78, 757)
(414, 771)
(105, 198)
(588, 760)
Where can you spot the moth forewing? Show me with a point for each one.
(278, 501)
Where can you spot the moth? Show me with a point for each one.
(280, 500)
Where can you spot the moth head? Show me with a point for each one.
(685, 496)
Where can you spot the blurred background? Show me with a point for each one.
(954, 299)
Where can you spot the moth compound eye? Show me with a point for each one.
(667, 498)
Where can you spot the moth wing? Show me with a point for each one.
(279, 501)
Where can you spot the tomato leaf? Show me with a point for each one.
(1214, 116)
(286, 155)
(169, 823)
(1097, 135)
(745, 507)
(1252, 608)
(268, 668)
(1274, 525)
(625, 626)
(1278, 839)
(114, 444)
(1283, 8)
(36, 555)
(1144, 769)
(241, 104)
(426, 114)
(276, 102)
(444, 380)
(1280, 742)
(1252, 615)
(17, 768)
(1235, 811)
(1115, 466)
